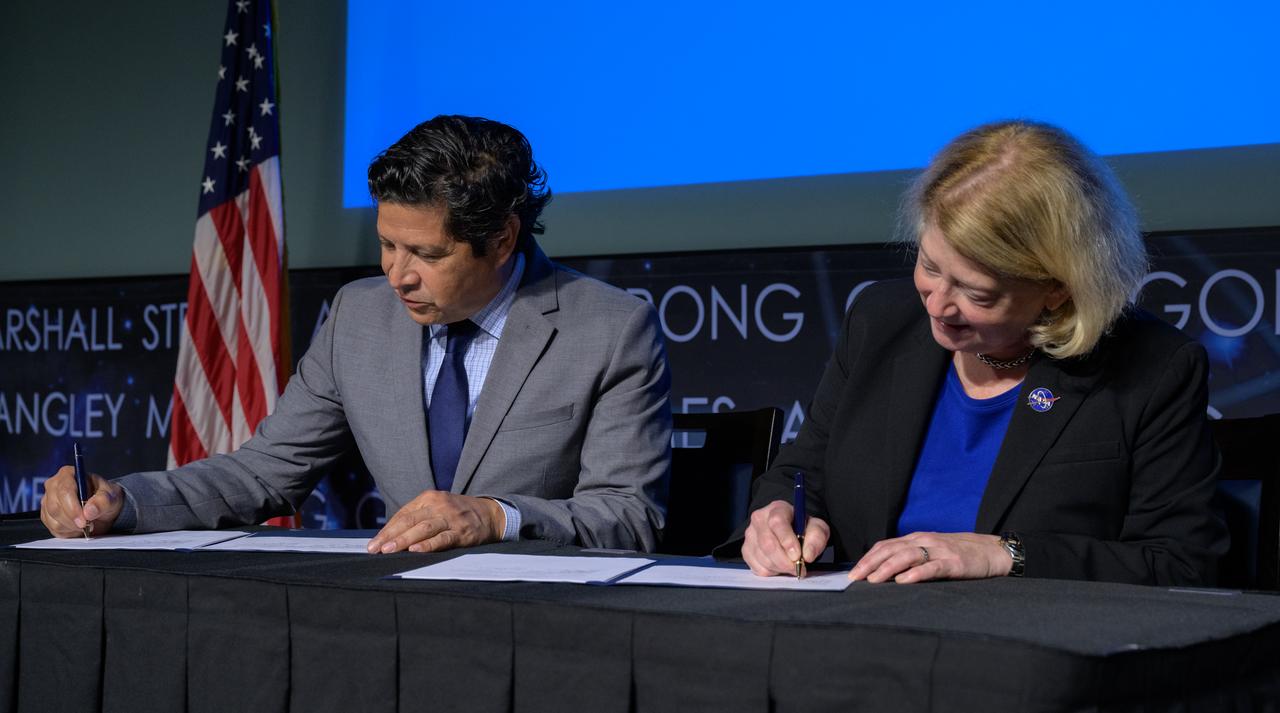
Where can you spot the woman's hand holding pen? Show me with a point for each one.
(60, 509)
(771, 546)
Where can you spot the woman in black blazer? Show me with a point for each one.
(1007, 411)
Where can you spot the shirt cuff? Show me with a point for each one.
(511, 532)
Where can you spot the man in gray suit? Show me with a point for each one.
(493, 394)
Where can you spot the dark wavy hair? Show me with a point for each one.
(479, 170)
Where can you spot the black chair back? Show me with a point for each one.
(714, 459)
(1250, 450)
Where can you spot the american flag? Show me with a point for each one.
(233, 359)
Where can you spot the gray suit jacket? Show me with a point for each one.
(573, 424)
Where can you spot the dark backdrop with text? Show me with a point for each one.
(93, 360)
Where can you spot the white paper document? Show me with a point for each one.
(269, 543)
(734, 578)
(180, 540)
(494, 567)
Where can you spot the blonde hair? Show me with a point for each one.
(1028, 201)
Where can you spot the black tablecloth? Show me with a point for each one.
(265, 632)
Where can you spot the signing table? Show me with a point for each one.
(266, 632)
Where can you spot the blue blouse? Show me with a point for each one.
(959, 451)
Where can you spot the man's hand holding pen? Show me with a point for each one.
(60, 509)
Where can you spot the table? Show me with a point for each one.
(265, 632)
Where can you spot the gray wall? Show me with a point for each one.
(106, 107)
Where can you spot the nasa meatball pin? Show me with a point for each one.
(1041, 399)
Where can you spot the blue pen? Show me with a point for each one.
(800, 518)
(82, 480)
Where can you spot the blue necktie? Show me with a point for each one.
(447, 415)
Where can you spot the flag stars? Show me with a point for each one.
(208, 184)
(256, 56)
(255, 140)
(242, 6)
(242, 163)
(230, 37)
(266, 106)
(222, 72)
(229, 118)
(218, 150)
(266, 30)
(242, 85)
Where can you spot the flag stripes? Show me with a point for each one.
(233, 352)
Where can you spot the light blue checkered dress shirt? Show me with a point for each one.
(476, 361)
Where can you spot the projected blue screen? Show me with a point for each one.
(622, 95)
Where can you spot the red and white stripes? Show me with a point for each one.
(232, 354)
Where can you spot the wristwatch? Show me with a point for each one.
(1013, 545)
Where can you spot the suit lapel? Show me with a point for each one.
(1031, 433)
(525, 338)
(406, 368)
(917, 375)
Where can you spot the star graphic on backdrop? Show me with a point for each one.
(230, 37)
(242, 85)
(229, 118)
(208, 184)
(266, 106)
(242, 164)
(219, 151)
(242, 5)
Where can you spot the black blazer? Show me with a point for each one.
(1113, 482)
